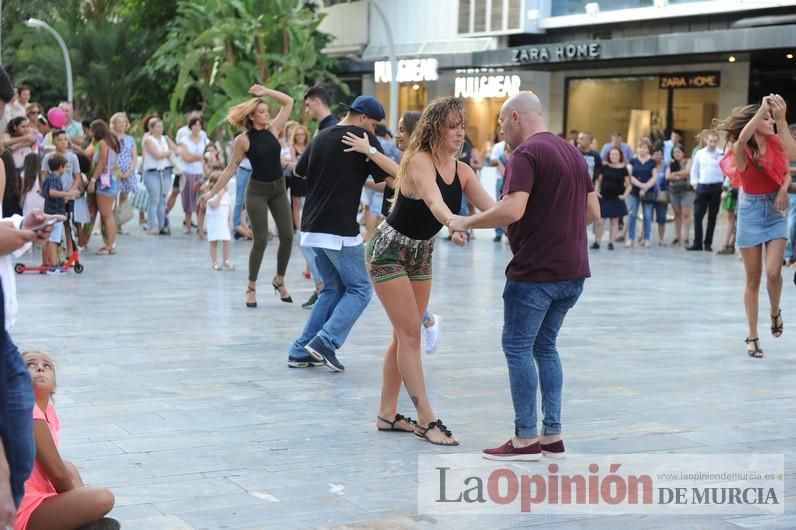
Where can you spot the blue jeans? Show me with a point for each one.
(345, 295)
(19, 445)
(633, 205)
(241, 181)
(309, 257)
(532, 315)
(790, 253)
(158, 185)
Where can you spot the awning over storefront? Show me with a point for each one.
(656, 46)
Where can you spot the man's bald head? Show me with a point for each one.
(524, 102)
(520, 117)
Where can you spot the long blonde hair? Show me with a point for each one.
(733, 124)
(429, 135)
(299, 127)
(240, 114)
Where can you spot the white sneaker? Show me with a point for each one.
(431, 334)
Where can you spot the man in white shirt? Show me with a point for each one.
(73, 128)
(706, 179)
(676, 138)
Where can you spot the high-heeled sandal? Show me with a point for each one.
(756, 351)
(776, 330)
(250, 304)
(287, 299)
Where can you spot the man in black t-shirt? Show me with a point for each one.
(317, 103)
(329, 226)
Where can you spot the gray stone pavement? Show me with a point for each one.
(177, 397)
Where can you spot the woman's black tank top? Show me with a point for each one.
(265, 155)
(412, 217)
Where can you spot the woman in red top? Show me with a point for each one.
(758, 165)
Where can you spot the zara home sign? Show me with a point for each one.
(409, 71)
(556, 53)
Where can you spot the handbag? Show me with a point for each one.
(140, 198)
(177, 167)
(662, 197)
(650, 195)
(122, 212)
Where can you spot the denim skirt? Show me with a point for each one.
(758, 220)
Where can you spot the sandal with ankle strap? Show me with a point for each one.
(776, 330)
(421, 433)
(250, 304)
(287, 299)
(392, 427)
(756, 352)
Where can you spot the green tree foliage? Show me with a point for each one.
(218, 48)
(146, 56)
(109, 43)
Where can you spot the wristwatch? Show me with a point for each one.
(372, 151)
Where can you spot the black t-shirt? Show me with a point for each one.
(594, 163)
(329, 121)
(334, 182)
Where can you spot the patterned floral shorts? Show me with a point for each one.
(391, 255)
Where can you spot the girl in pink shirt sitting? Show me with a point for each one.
(55, 496)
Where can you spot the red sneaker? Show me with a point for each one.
(507, 451)
(554, 450)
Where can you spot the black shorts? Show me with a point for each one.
(176, 184)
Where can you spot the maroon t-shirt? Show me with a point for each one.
(549, 242)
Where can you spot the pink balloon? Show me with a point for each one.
(56, 117)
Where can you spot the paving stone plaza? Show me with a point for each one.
(177, 397)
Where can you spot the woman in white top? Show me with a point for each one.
(157, 174)
(191, 150)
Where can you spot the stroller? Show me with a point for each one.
(72, 261)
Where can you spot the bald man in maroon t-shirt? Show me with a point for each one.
(548, 202)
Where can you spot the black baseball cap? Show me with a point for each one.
(369, 106)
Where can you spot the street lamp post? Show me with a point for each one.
(393, 124)
(40, 24)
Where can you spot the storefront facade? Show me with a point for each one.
(484, 90)
(647, 101)
(646, 86)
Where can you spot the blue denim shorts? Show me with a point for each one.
(758, 220)
(112, 191)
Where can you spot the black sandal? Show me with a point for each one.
(421, 431)
(392, 427)
(250, 304)
(287, 299)
(757, 352)
(777, 330)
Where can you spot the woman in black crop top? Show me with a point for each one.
(428, 187)
(267, 188)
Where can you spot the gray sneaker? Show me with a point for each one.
(311, 302)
